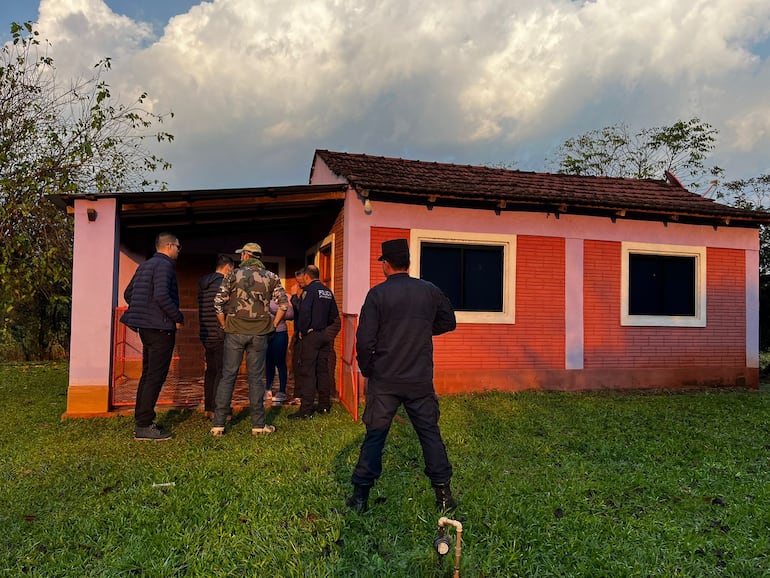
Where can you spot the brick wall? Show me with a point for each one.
(378, 236)
(610, 345)
(535, 341)
(338, 230)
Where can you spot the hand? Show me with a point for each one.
(179, 325)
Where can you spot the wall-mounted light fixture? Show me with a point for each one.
(363, 194)
(92, 214)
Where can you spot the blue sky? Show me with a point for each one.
(155, 12)
(257, 85)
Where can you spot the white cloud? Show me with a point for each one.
(257, 85)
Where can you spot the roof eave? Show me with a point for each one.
(566, 206)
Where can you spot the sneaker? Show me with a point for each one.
(217, 431)
(151, 432)
(265, 429)
(280, 397)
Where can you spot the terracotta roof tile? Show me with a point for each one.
(402, 177)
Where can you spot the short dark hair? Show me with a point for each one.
(299, 272)
(399, 263)
(312, 272)
(165, 238)
(223, 260)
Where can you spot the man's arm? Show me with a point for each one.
(129, 290)
(280, 297)
(334, 312)
(220, 299)
(445, 319)
(162, 287)
(366, 335)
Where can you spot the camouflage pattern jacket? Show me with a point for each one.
(244, 298)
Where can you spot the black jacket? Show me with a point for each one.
(153, 296)
(394, 340)
(317, 309)
(210, 329)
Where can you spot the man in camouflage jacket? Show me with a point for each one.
(242, 305)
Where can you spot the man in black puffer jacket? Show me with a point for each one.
(153, 311)
(211, 332)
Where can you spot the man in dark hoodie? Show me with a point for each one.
(211, 333)
(153, 311)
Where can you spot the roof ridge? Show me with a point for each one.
(496, 169)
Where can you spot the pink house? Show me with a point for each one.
(559, 282)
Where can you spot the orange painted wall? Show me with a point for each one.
(610, 345)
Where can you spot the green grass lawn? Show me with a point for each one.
(556, 484)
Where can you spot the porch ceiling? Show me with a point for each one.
(306, 210)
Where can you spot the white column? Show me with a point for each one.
(573, 304)
(752, 308)
(93, 303)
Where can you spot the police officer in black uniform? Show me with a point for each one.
(394, 348)
(317, 310)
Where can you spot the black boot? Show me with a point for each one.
(444, 499)
(359, 501)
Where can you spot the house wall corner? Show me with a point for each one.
(93, 303)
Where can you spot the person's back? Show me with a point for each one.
(211, 333)
(397, 323)
(249, 291)
(152, 296)
(209, 327)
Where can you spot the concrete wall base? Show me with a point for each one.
(470, 381)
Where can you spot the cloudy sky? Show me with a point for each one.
(257, 85)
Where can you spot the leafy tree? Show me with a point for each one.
(615, 151)
(754, 194)
(56, 137)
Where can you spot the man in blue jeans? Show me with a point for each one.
(242, 305)
(153, 311)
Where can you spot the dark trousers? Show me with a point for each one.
(424, 414)
(157, 351)
(214, 352)
(312, 371)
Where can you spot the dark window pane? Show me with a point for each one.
(471, 276)
(661, 285)
(442, 265)
(483, 279)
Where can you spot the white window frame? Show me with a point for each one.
(507, 242)
(697, 320)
